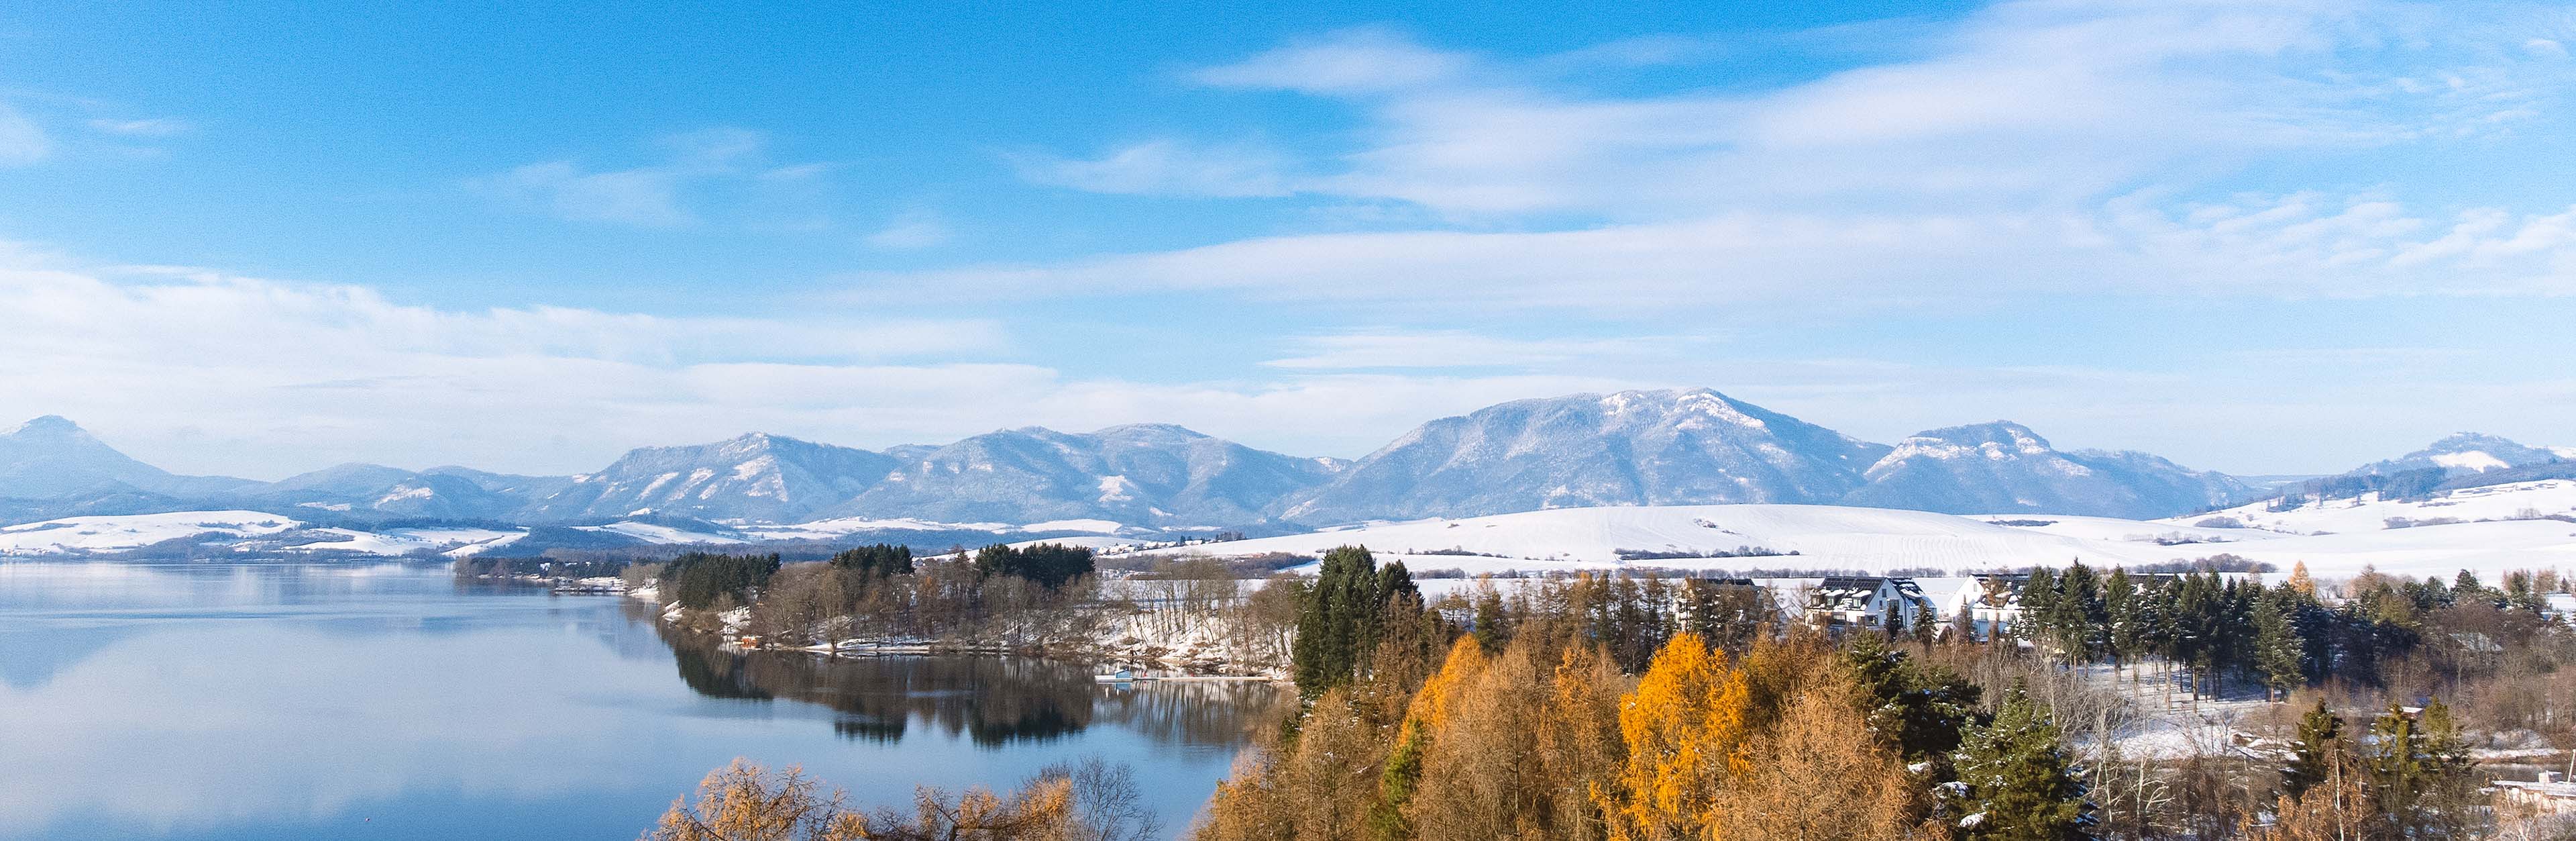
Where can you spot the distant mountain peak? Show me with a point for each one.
(49, 426)
(2467, 452)
(1637, 447)
(1158, 430)
(1992, 439)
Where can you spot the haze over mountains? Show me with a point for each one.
(1674, 447)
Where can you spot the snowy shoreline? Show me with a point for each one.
(1129, 642)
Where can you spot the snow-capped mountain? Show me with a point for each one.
(2004, 467)
(1146, 474)
(1631, 448)
(1671, 447)
(390, 491)
(752, 477)
(2470, 452)
(52, 457)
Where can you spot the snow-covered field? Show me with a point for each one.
(860, 527)
(2370, 513)
(2500, 528)
(240, 531)
(112, 533)
(1878, 540)
(454, 543)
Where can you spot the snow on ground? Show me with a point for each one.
(1878, 540)
(112, 533)
(453, 542)
(2370, 513)
(846, 526)
(2116, 529)
(1094, 526)
(655, 533)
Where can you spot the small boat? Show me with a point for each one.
(1120, 676)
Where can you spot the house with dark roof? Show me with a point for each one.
(1848, 601)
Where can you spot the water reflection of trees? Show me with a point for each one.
(994, 701)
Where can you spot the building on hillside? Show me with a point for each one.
(2550, 795)
(2559, 606)
(1853, 601)
(1951, 597)
(1991, 604)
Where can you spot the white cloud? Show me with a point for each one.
(205, 372)
(1461, 349)
(911, 230)
(1164, 167)
(152, 127)
(648, 197)
(1753, 266)
(654, 196)
(1366, 60)
(273, 376)
(2024, 103)
(21, 140)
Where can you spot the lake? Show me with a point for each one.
(269, 701)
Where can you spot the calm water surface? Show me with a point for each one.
(296, 701)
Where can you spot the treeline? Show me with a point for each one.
(537, 568)
(2384, 632)
(1033, 595)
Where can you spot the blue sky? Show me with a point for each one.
(2257, 237)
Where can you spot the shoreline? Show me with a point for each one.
(1166, 663)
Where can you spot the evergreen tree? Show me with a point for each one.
(2125, 612)
(2077, 622)
(2038, 606)
(1048, 564)
(2314, 755)
(1492, 622)
(2015, 783)
(2279, 652)
(1344, 615)
(2414, 784)
(875, 560)
(1915, 709)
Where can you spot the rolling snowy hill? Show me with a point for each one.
(2470, 452)
(1880, 540)
(2369, 512)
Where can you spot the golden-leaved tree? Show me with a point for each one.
(1683, 729)
(1823, 776)
(1424, 721)
(1481, 778)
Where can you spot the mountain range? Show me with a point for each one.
(1670, 447)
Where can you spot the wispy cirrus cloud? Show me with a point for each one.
(2032, 146)
(141, 127)
(913, 229)
(1165, 167)
(1742, 267)
(1396, 349)
(692, 166)
(21, 140)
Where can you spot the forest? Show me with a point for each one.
(1619, 707)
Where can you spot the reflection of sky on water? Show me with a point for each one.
(264, 702)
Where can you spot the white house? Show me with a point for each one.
(1867, 601)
